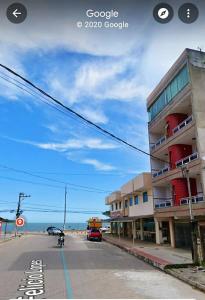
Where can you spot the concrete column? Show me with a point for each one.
(133, 231)
(158, 232)
(171, 231)
(141, 230)
(111, 227)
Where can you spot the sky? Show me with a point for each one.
(103, 74)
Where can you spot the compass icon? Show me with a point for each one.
(163, 13)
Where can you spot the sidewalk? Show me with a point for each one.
(158, 256)
(6, 238)
(174, 261)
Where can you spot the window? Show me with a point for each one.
(136, 200)
(116, 206)
(112, 207)
(126, 203)
(145, 197)
(120, 205)
(175, 86)
(131, 201)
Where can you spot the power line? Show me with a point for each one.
(49, 185)
(78, 115)
(43, 99)
(53, 180)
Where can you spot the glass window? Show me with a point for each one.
(126, 203)
(168, 94)
(136, 200)
(145, 197)
(131, 201)
(116, 206)
(175, 86)
(120, 205)
(112, 207)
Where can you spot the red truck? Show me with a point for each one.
(94, 234)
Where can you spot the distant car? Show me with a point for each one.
(53, 230)
(104, 229)
(94, 234)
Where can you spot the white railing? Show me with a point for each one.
(187, 159)
(160, 172)
(194, 199)
(183, 124)
(159, 142)
(163, 203)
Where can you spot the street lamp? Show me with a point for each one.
(193, 222)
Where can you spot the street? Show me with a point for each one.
(82, 269)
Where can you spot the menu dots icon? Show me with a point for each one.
(188, 13)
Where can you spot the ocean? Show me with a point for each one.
(41, 227)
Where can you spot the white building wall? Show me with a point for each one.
(142, 208)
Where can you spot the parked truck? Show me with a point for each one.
(94, 223)
(93, 229)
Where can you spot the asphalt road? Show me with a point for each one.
(82, 269)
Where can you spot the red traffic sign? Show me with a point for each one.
(20, 222)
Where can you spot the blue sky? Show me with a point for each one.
(41, 140)
(105, 76)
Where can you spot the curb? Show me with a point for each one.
(150, 259)
(7, 240)
(194, 284)
(166, 267)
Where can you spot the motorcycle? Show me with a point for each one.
(61, 241)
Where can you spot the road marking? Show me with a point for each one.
(69, 290)
(33, 283)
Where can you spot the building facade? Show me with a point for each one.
(131, 209)
(176, 127)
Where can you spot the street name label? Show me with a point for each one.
(34, 283)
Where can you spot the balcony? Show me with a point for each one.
(163, 203)
(160, 172)
(194, 199)
(159, 142)
(187, 159)
(183, 124)
(163, 139)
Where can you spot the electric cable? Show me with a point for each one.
(78, 115)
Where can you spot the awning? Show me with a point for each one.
(6, 220)
(130, 219)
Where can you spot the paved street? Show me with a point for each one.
(82, 269)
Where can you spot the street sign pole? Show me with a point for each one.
(65, 207)
(18, 211)
(0, 228)
(193, 222)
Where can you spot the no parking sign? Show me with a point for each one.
(20, 222)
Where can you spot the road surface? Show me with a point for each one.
(82, 269)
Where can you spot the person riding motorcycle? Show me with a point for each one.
(61, 238)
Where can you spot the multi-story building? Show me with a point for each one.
(131, 209)
(176, 128)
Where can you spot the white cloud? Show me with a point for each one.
(81, 143)
(98, 165)
(94, 115)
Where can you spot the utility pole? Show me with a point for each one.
(18, 211)
(65, 207)
(193, 222)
